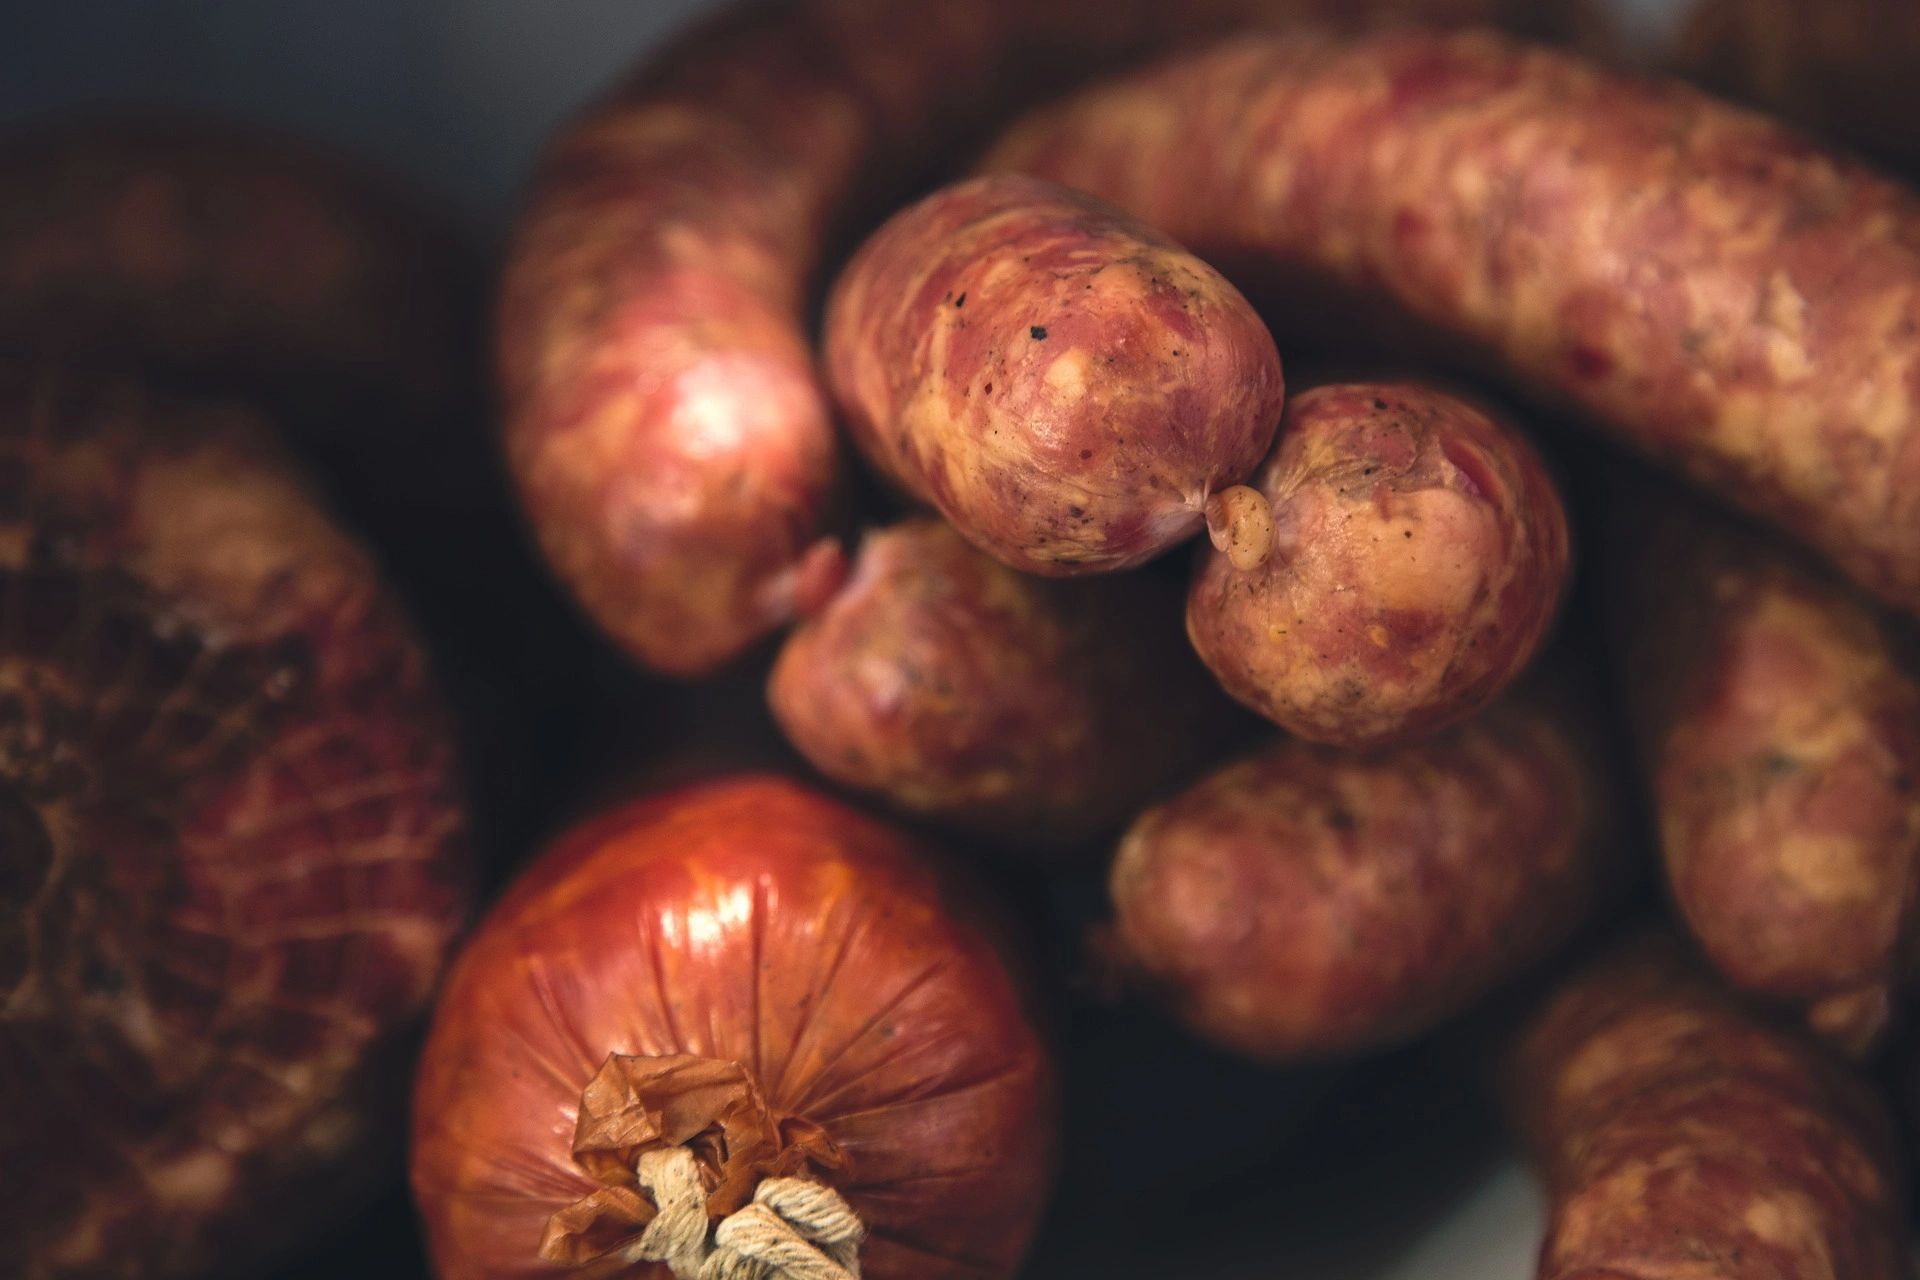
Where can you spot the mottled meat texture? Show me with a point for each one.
(955, 687)
(1305, 902)
(747, 921)
(1682, 1138)
(232, 856)
(1843, 67)
(1066, 385)
(1419, 556)
(221, 257)
(1778, 717)
(670, 441)
(1702, 282)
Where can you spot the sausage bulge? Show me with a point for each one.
(1778, 721)
(956, 688)
(1703, 283)
(1679, 1136)
(1304, 901)
(1067, 386)
(1419, 557)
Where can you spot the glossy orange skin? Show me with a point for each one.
(233, 850)
(1064, 384)
(1778, 716)
(751, 920)
(1702, 282)
(957, 688)
(1420, 556)
(1304, 902)
(1679, 1136)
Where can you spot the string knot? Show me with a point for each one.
(794, 1229)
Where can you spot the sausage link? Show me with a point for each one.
(957, 688)
(1679, 1137)
(1707, 285)
(1305, 901)
(1420, 554)
(1069, 387)
(1778, 718)
(670, 442)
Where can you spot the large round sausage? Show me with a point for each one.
(1706, 284)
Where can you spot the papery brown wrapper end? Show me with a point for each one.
(636, 1104)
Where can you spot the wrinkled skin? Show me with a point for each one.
(1420, 556)
(1843, 67)
(220, 257)
(1304, 902)
(1779, 724)
(1065, 385)
(752, 921)
(1703, 283)
(232, 856)
(1681, 1138)
(668, 436)
(957, 688)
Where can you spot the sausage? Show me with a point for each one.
(1420, 554)
(1705, 284)
(1778, 721)
(1070, 388)
(1678, 1136)
(668, 438)
(217, 257)
(1305, 902)
(956, 688)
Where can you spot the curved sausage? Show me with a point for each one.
(1709, 286)
(1304, 901)
(957, 688)
(664, 425)
(1070, 388)
(1680, 1137)
(1778, 717)
(1420, 554)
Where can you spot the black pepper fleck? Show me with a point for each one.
(960, 301)
(1038, 333)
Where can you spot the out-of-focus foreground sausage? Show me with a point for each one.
(1305, 901)
(1680, 1137)
(1778, 718)
(221, 257)
(958, 688)
(1708, 285)
(664, 424)
(1420, 555)
(1069, 387)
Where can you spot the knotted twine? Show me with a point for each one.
(794, 1229)
(678, 1142)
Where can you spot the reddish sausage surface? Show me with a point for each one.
(1708, 285)
(1305, 901)
(1066, 385)
(1778, 718)
(664, 424)
(955, 687)
(1420, 555)
(1681, 1138)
